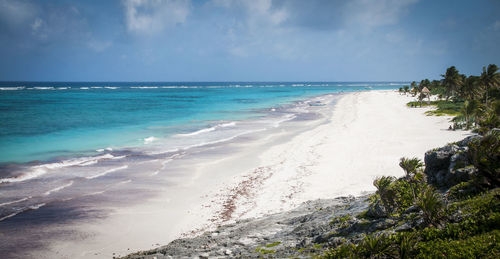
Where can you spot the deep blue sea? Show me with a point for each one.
(47, 120)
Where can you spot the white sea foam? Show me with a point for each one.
(229, 124)
(162, 151)
(10, 216)
(94, 193)
(63, 88)
(44, 88)
(179, 86)
(197, 132)
(96, 87)
(12, 88)
(125, 182)
(84, 88)
(39, 170)
(118, 157)
(149, 140)
(58, 188)
(26, 176)
(15, 201)
(287, 117)
(144, 87)
(356, 84)
(165, 162)
(223, 140)
(81, 161)
(33, 207)
(205, 130)
(107, 172)
(104, 149)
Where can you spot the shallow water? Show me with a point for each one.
(42, 121)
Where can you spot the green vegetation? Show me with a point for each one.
(263, 251)
(464, 222)
(442, 107)
(474, 101)
(343, 220)
(273, 244)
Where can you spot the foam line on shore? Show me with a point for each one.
(107, 172)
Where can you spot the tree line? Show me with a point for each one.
(475, 97)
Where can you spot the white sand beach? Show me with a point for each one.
(363, 136)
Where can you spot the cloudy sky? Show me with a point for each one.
(253, 40)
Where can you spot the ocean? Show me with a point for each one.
(44, 121)
(64, 143)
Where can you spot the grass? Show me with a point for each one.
(273, 244)
(442, 107)
(263, 251)
(341, 219)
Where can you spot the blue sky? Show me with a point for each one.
(254, 40)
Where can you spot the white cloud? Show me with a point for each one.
(150, 16)
(281, 28)
(370, 14)
(257, 13)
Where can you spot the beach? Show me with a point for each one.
(325, 151)
(364, 136)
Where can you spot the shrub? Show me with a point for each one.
(385, 192)
(481, 246)
(485, 156)
(431, 205)
(375, 247)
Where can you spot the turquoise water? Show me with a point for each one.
(43, 121)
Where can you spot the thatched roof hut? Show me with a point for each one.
(426, 90)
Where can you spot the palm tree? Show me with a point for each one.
(406, 88)
(451, 81)
(469, 110)
(485, 156)
(373, 246)
(413, 84)
(385, 192)
(410, 165)
(424, 83)
(421, 97)
(489, 79)
(470, 88)
(431, 205)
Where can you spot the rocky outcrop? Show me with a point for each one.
(449, 165)
(280, 235)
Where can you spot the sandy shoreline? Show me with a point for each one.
(360, 137)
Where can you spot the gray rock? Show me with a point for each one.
(449, 165)
(300, 228)
(404, 227)
(376, 211)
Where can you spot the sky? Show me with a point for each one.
(252, 40)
